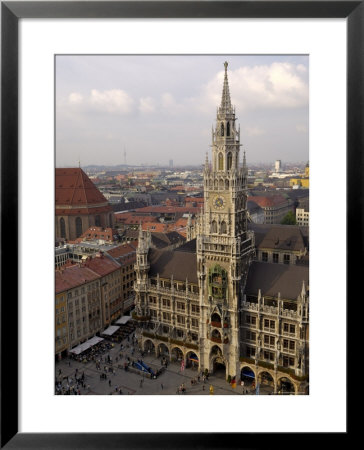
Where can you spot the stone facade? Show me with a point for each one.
(192, 303)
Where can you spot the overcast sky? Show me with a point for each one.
(158, 108)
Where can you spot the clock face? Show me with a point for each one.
(219, 202)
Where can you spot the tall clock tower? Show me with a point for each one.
(224, 246)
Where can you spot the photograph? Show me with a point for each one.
(181, 236)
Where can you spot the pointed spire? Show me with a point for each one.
(303, 290)
(225, 106)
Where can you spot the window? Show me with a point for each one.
(287, 361)
(166, 303)
(229, 160)
(194, 323)
(181, 320)
(250, 352)
(213, 227)
(166, 317)
(62, 225)
(289, 328)
(221, 162)
(78, 226)
(222, 129)
(228, 129)
(264, 256)
(268, 340)
(97, 221)
(286, 259)
(153, 300)
(275, 258)
(181, 306)
(180, 334)
(153, 313)
(269, 356)
(252, 320)
(250, 335)
(195, 309)
(223, 227)
(269, 324)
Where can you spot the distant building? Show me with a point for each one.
(302, 182)
(278, 166)
(303, 213)
(275, 207)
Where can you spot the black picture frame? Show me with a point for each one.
(11, 12)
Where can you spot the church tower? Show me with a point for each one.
(224, 246)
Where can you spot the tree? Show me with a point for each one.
(289, 219)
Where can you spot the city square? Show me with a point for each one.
(119, 381)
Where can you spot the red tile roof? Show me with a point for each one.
(74, 188)
(169, 209)
(123, 250)
(268, 201)
(102, 265)
(73, 276)
(92, 233)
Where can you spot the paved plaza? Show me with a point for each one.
(113, 379)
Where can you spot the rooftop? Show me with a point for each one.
(272, 279)
(74, 188)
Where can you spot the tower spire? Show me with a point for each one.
(225, 106)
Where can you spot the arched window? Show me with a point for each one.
(221, 162)
(229, 160)
(62, 225)
(223, 227)
(213, 227)
(228, 129)
(216, 318)
(97, 221)
(78, 226)
(222, 129)
(226, 184)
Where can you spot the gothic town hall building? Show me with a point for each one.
(211, 302)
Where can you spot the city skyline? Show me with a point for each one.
(168, 100)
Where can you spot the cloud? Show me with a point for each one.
(111, 101)
(274, 86)
(146, 105)
(75, 98)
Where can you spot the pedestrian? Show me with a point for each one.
(162, 386)
(109, 382)
(203, 387)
